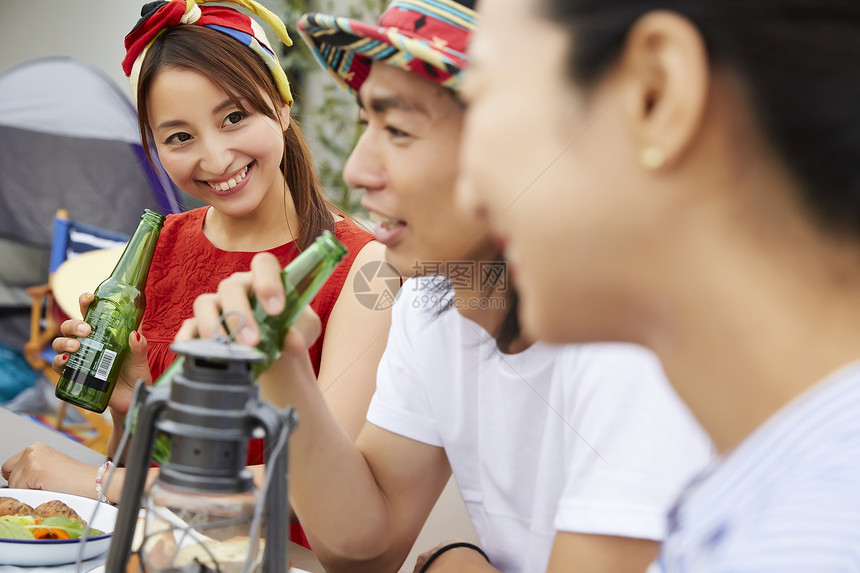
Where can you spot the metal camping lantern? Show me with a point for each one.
(203, 512)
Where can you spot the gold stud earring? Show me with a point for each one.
(652, 157)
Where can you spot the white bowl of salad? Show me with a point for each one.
(64, 529)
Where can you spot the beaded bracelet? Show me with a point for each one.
(107, 464)
(448, 547)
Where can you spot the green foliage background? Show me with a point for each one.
(332, 120)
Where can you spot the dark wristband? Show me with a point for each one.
(448, 547)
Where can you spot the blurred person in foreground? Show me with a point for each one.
(565, 456)
(692, 184)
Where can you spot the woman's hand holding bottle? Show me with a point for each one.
(135, 366)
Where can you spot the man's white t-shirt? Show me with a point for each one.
(576, 438)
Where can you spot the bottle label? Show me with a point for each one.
(94, 359)
(105, 364)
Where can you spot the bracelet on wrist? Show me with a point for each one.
(448, 547)
(100, 473)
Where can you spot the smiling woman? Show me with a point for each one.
(214, 101)
(224, 152)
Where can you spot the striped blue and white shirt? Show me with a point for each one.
(786, 500)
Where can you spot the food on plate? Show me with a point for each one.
(51, 520)
(11, 506)
(56, 507)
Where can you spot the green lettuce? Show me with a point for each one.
(15, 527)
(22, 526)
(74, 527)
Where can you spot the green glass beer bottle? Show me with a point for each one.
(115, 312)
(302, 279)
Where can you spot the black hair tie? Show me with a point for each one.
(448, 547)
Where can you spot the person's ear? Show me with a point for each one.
(284, 116)
(665, 64)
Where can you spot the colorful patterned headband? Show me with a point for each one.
(424, 37)
(158, 16)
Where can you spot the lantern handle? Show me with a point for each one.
(278, 425)
(222, 322)
(150, 403)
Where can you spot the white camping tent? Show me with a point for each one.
(68, 139)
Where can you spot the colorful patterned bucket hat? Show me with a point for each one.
(425, 37)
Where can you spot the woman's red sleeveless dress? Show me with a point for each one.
(186, 264)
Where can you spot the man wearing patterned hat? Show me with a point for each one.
(555, 449)
(406, 72)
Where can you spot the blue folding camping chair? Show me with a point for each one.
(70, 239)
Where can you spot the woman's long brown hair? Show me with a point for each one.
(247, 81)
